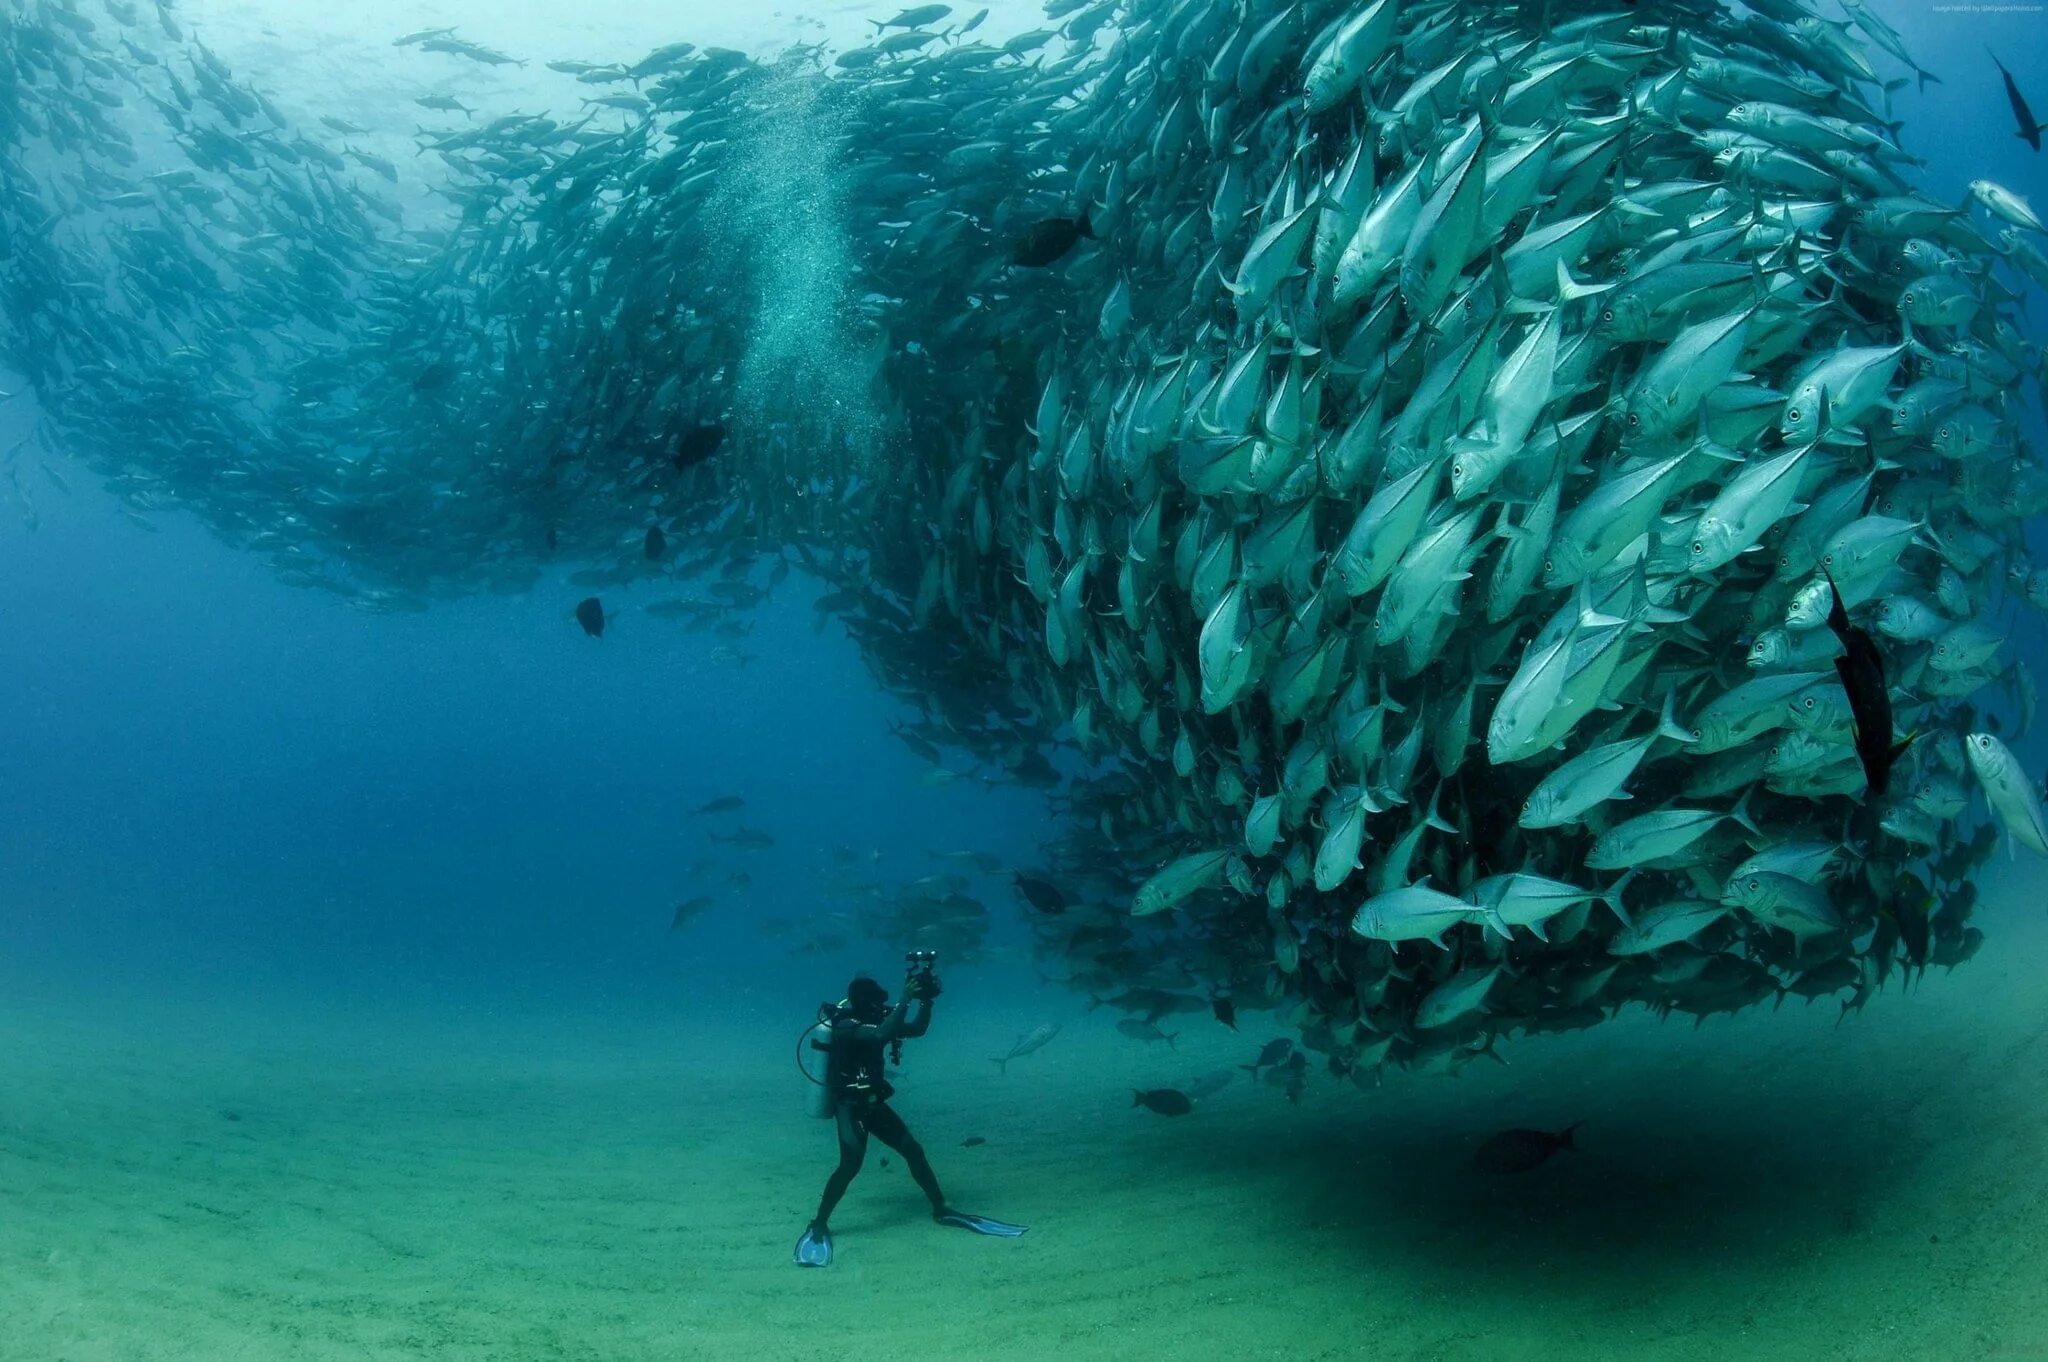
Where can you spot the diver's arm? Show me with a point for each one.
(885, 1030)
(919, 1024)
(897, 1024)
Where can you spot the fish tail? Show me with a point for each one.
(1002, 1063)
(1669, 727)
(1613, 897)
(1087, 227)
(1564, 1137)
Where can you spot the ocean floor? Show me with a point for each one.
(224, 1181)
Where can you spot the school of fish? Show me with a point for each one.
(1446, 493)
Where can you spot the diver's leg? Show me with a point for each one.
(853, 1148)
(890, 1130)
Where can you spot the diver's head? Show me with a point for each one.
(867, 999)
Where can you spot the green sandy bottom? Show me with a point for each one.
(181, 1182)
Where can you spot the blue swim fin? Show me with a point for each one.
(815, 1248)
(980, 1224)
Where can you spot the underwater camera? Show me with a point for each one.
(922, 983)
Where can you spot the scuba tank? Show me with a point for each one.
(813, 1061)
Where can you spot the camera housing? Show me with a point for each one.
(920, 962)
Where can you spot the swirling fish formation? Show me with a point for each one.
(1469, 481)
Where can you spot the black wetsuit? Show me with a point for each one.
(860, 1100)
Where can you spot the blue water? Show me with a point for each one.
(225, 798)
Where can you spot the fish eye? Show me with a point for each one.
(1606, 314)
(1634, 419)
(1698, 547)
(1809, 702)
(1550, 565)
(1792, 415)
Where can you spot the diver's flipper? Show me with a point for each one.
(815, 1248)
(980, 1224)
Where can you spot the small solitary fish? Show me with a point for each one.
(722, 804)
(656, 545)
(973, 1140)
(1165, 1101)
(590, 614)
(1518, 1151)
(1225, 1010)
(1034, 1039)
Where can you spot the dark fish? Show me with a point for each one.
(1275, 1052)
(1043, 895)
(1291, 1076)
(1861, 667)
(915, 17)
(1165, 1101)
(722, 804)
(1518, 1151)
(1225, 1010)
(2030, 131)
(973, 1140)
(1044, 243)
(1912, 911)
(657, 544)
(688, 909)
(1954, 952)
(590, 614)
(697, 444)
(1153, 1002)
(1144, 1030)
(552, 541)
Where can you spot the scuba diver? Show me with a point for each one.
(852, 1034)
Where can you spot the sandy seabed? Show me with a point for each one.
(227, 1181)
